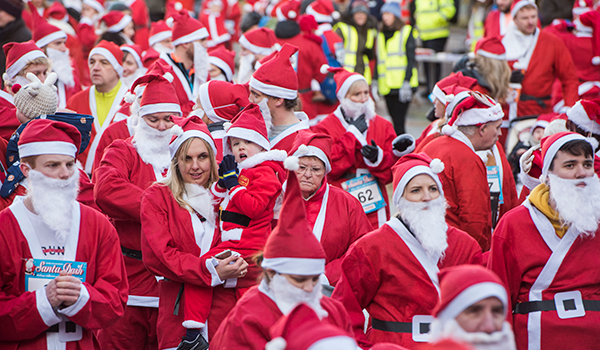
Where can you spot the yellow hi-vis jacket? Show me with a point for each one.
(432, 18)
(392, 61)
(350, 36)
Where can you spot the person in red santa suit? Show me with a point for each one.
(49, 224)
(256, 44)
(178, 224)
(189, 59)
(324, 13)
(537, 58)
(133, 68)
(539, 250)
(140, 16)
(362, 141)
(218, 103)
(212, 16)
(160, 37)
(473, 308)
(127, 168)
(292, 262)
(222, 64)
(91, 12)
(408, 250)
(102, 99)
(498, 20)
(21, 58)
(335, 217)
(117, 27)
(274, 87)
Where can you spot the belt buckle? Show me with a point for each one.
(569, 304)
(418, 323)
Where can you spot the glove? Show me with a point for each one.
(375, 90)
(360, 123)
(370, 152)
(405, 93)
(526, 159)
(228, 172)
(517, 77)
(403, 144)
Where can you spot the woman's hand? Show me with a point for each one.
(232, 267)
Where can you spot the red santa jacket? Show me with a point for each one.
(493, 25)
(8, 116)
(86, 33)
(247, 325)
(140, 16)
(389, 257)
(116, 131)
(346, 158)
(25, 316)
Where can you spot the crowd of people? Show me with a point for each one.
(219, 177)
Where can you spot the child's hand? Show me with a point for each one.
(228, 172)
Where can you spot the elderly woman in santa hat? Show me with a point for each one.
(178, 224)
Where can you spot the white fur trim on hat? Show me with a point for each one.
(207, 105)
(312, 151)
(221, 65)
(319, 17)
(109, 56)
(472, 295)
(476, 116)
(277, 343)
(159, 108)
(246, 134)
(257, 50)
(119, 26)
(50, 38)
(347, 84)
(136, 57)
(273, 90)
(409, 175)
(484, 53)
(439, 94)
(519, 5)
(95, 5)
(47, 147)
(295, 266)
(158, 37)
(578, 115)
(16, 67)
(200, 34)
(553, 149)
(186, 135)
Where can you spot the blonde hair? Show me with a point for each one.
(36, 61)
(175, 181)
(497, 73)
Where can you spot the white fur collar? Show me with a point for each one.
(276, 155)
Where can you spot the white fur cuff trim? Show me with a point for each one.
(211, 265)
(354, 131)
(45, 309)
(408, 150)
(84, 297)
(379, 159)
(528, 181)
(189, 324)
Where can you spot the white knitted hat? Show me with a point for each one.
(37, 99)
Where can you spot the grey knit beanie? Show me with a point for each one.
(35, 98)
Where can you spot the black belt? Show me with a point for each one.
(539, 100)
(549, 305)
(398, 327)
(303, 91)
(235, 218)
(70, 327)
(130, 253)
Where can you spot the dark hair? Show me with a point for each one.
(250, 20)
(576, 148)
(290, 104)
(396, 26)
(112, 37)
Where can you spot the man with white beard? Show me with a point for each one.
(49, 227)
(189, 59)
(472, 309)
(542, 251)
(52, 41)
(392, 271)
(127, 168)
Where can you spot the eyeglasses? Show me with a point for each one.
(302, 169)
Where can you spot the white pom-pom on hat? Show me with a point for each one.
(303, 149)
(169, 22)
(324, 69)
(248, 8)
(596, 60)
(593, 142)
(291, 163)
(447, 130)
(276, 47)
(335, 15)
(276, 344)
(176, 130)
(292, 14)
(129, 97)
(449, 98)
(178, 6)
(437, 166)
(168, 76)
(226, 126)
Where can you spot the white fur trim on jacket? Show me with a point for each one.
(409, 149)
(276, 155)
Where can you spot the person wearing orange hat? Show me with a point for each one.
(408, 250)
(62, 274)
(541, 250)
(292, 262)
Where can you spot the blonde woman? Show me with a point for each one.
(178, 227)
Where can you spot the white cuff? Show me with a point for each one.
(72, 310)
(231, 283)
(354, 131)
(189, 324)
(528, 181)
(379, 159)
(236, 190)
(409, 149)
(45, 308)
(210, 265)
(217, 193)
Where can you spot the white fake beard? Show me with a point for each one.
(160, 48)
(287, 296)
(246, 68)
(61, 64)
(356, 109)
(429, 226)
(200, 199)
(577, 206)
(21, 80)
(200, 65)
(152, 145)
(128, 81)
(266, 113)
(501, 340)
(54, 200)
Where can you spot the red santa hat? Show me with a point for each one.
(111, 52)
(411, 165)
(187, 29)
(57, 11)
(343, 79)
(186, 128)
(287, 10)
(149, 57)
(45, 33)
(277, 77)
(592, 19)
(517, 5)
(116, 21)
(259, 41)
(222, 101)
(302, 329)
(586, 115)
(158, 32)
(552, 144)
(491, 47)
(248, 125)
(18, 55)
(464, 285)
(322, 11)
(163, 98)
(45, 136)
(471, 108)
(582, 6)
(97, 5)
(171, 9)
(135, 51)
(453, 79)
(543, 120)
(292, 248)
(309, 144)
(224, 60)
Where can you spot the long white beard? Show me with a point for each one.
(54, 201)
(501, 340)
(200, 66)
(264, 110)
(200, 199)
(577, 206)
(152, 145)
(429, 226)
(160, 48)
(61, 64)
(356, 109)
(246, 68)
(287, 296)
(128, 81)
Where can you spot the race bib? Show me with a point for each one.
(39, 272)
(493, 177)
(367, 191)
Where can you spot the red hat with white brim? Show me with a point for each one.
(491, 47)
(135, 51)
(454, 79)
(259, 41)
(411, 165)
(471, 108)
(45, 33)
(163, 98)
(248, 125)
(187, 29)
(19, 54)
(322, 11)
(586, 115)
(187, 128)
(343, 79)
(309, 144)
(277, 77)
(517, 5)
(224, 60)
(116, 21)
(158, 32)
(45, 136)
(222, 101)
(111, 52)
(552, 144)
